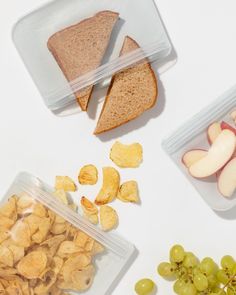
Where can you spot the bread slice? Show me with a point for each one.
(80, 48)
(131, 92)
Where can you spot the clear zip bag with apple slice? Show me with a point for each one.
(204, 149)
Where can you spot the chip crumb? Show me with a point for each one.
(65, 183)
(128, 192)
(88, 175)
(127, 156)
(108, 217)
(110, 187)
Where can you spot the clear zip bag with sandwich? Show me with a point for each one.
(75, 48)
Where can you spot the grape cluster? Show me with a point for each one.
(194, 277)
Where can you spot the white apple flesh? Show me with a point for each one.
(191, 157)
(227, 179)
(213, 132)
(218, 155)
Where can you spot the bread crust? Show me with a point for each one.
(110, 88)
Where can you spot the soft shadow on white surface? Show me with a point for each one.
(229, 215)
(139, 122)
(123, 272)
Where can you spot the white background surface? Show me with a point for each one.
(32, 139)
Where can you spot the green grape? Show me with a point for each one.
(188, 289)
(177, 254)
(200, 282)
(234, 269)
(219, 291)
(222, 276)
(144, 287)
(212, 281)
(227, 262)
(165, 269)
(181, 272)
(230, 291)
(178, 286)
(208, 266)
(190, 260)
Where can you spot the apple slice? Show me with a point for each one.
(191, 157)
(227, 179)
(225, 125)
(213, 131)
(218, 155)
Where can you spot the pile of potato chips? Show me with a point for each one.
(40, 252)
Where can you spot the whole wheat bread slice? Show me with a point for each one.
(131, 92)
(80, 48)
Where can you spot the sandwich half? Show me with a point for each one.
(131, 93)
(80, 49)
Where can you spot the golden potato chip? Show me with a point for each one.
(108, 218)
(68, 248)
(58, 228)
(39, 210)
(111, 184)
(57, 264)
(97, 249)
(18, 252)
(65, 183)
(44, 287)
(78, 262)
(4, 235)
(9, 209)
(81, 239)
(20, 234)
(88, 206)
(32, 265)
(88, 175)
(33, 222)
(6, 256)
(129, 192)
(59, 219)
(53, 244)
(82, 278)
(62, 196)
(6, 222)
(25, 201)
(90, 210)
(126, 156)
(8, 271)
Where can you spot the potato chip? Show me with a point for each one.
(33, 222)
(68, 248)
(108, 218)
(6, 222)
(32, 265)
(25, 201)
(58, 228)
(111, 184)
(81, 239)
(6, 256)
(126, 156)
(88, 175)
(20, 234)
(57, 263)
(39, 210)
(43, 287)
(4, 234)
(61, 196)
(7, 271)
(65, 183)
(90, 210)
(97, 249)
(9, 209)
(78, 262)
(129, 192)
(18, 252)
(82, 278)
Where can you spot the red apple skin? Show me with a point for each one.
(225, 125)
(208, 136)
